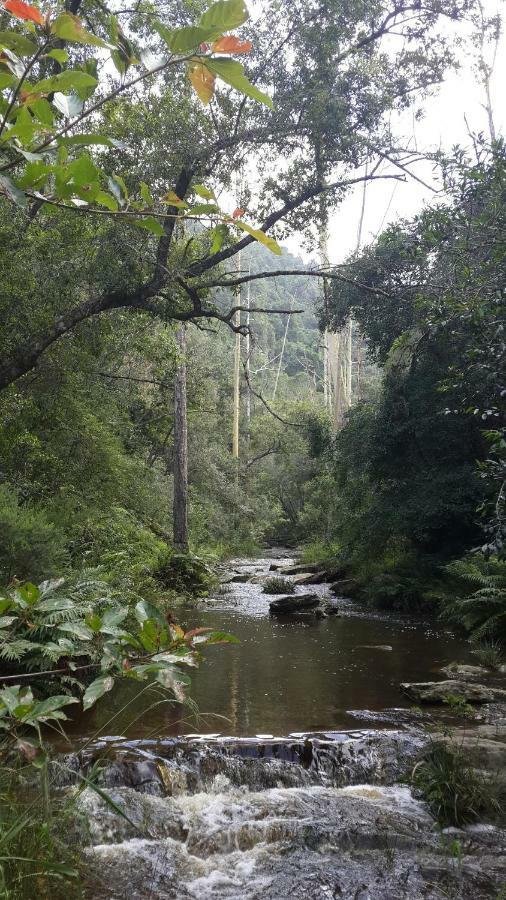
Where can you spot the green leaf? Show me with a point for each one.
(224, 15)
(65, 81)
(23, 129)
(145, 610)
(79, 629)
(35, 175)
(216, 637)
(29, 593)
(18, 43)
(115, 616)
(43, 710)
(56, 604)
(150, 224)
(203, 209)
(94, 622)
(146, 194)
(70, 28)
(6, 80)
(97, 689)
(70, 106)
(152, 635)
(260, 236)
(42, 111)
(232, 72)
(182, 40)
(107, 200)
(118, 188)
(60, 56)
(202, 191)
(9, 189)
(218, 235)
(87, 140)
(5, 621)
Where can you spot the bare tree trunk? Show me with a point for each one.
(237, 388)
(247, 362)
(180, 508)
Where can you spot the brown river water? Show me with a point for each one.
(286, 676)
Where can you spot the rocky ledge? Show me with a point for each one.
(441, 691)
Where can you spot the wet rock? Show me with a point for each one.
(331, 608)
(484, 746)
(293, 603)
(495, 713)
(303, 578)
(439, 691)
(238, 578)
(374, 647)
(297, 568)
(458, 670)
(345, 587)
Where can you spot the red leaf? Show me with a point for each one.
(24, 11)
(231, 44)
(191, 634)
(237, 213)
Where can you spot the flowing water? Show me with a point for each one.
(288, 675)
(286, 784)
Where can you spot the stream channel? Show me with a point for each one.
(288, 782)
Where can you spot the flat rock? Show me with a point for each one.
(439, 691)
(373, 647)
(303, 578)
(297, 568)
(293, 603)
(458, 670)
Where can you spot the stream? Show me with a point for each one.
(285, 780)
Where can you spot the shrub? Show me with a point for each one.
(30, 545)
(320, 551)
(482, 611)
(183, 573)
(278, 586)
(456, 793)
(489, 653)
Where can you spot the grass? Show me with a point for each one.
(489, 653)
(34, 861)
(456, 793)
(319, 551)
(278, 586)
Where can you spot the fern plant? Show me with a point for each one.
(482, 609)
(41, 625)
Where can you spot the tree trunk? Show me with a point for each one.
(180, 509)
(247, 361)
(237, 374)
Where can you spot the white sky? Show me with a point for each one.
(443, 125)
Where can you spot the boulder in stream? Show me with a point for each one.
(439, 691)
(293, 603)
(458, 670)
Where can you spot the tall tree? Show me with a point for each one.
(180, 518)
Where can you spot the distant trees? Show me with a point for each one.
(421, 471)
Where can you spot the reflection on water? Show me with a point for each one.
(285, 676)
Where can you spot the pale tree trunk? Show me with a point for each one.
(486, 71)
(247, 361)
(327, 336)
(336, 357)
(180, 508)
(237, 374)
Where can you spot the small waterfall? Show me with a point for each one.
(306, 817)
